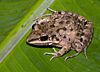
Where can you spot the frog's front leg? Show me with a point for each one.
(57, 53)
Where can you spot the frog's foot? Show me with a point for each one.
(51, 10)
(55, 54)
(85, 53)
(71, 56)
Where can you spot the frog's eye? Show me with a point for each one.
(33, 26)
(44, 38)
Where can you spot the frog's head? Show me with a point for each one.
(40, 37)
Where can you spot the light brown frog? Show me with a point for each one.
(66, 30)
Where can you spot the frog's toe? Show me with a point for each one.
(48, 53)
(55, 54)
(71, 56)
(52, 58)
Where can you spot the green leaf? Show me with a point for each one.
(21, 28)
(17, 17)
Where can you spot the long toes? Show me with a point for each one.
(48, 53)
(52, 58)
(54, 50)
(66, 58)
(54, 55)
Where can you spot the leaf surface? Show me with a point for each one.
(25, 58)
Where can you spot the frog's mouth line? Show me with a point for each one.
(43, 42)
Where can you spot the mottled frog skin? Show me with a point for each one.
(65, 30)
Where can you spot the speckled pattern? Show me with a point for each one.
(65, 30)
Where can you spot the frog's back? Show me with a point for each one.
(68, 27)
(62, 29)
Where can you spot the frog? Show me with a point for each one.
(65, 30)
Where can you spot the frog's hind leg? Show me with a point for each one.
(74, 55)
(85, 53)
(78, 51)
(71, 56)
(46, 15)
(51, 10)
